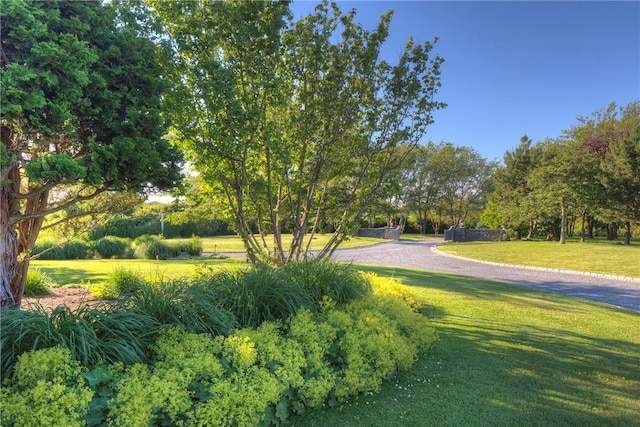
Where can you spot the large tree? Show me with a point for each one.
(424, 181)
(613, 136)
(512, 194)
(80, 116)
(466, 179)
(298, 123)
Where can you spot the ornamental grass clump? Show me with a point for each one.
(323, 279)
(258, 295)
(113, 247)
(120, 283)
(153, 247)
(38, 283)
(178, 302)
(92, 335)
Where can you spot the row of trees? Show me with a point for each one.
(591, 172)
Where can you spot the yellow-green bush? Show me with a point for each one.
(255, 376)
(47, 389)
(145, 395)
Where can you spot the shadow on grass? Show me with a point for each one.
(507, 355)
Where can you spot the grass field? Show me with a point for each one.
(234, 243)
(93, 271)
(507, 356)
(596, 256)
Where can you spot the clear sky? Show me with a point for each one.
(515, 67)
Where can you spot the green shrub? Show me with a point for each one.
(153, 247)
(47, 389)
(75, 249)
(121, 282)
(113, 247)
(38, 283)
(129, 227)
(92, 335)
(258, 295)
(193, 246)
(48, 248)
(177, 302)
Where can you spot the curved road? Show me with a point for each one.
(423, 254)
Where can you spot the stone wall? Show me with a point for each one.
(391, 233)
(469, 235)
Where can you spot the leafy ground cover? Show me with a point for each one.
(596, 255)
(241, 348)
(507, 355)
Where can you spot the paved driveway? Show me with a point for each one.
(424, 255)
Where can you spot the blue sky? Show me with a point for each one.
(514, 68)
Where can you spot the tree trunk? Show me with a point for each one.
(533, 225)
(584, 217)
(563, 223)
(627, 234)
(590, 226)
(8, 250)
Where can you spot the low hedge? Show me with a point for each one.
(50, 249)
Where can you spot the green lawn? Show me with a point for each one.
(507, 356)
(596, 256)
(94, 271)
(234, 243)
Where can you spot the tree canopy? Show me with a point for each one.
(80, 114)
(296, 123)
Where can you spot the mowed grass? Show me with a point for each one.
(507, 356)
(93, 271)
(234, 243)
(595, 256)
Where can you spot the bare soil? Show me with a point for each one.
(71, 297)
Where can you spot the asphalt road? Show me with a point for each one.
(620, 292)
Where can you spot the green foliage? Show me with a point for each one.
(325, 279)
(127, 226)
(92, 335)
(78, 128)
(38, 283)
(194, 246)
(50, 248)
(201, 376)
(120, 283)
(57, 168)
(113, 247)
(153, 247)
(177, 302)
(258, 294)
(47, 388)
